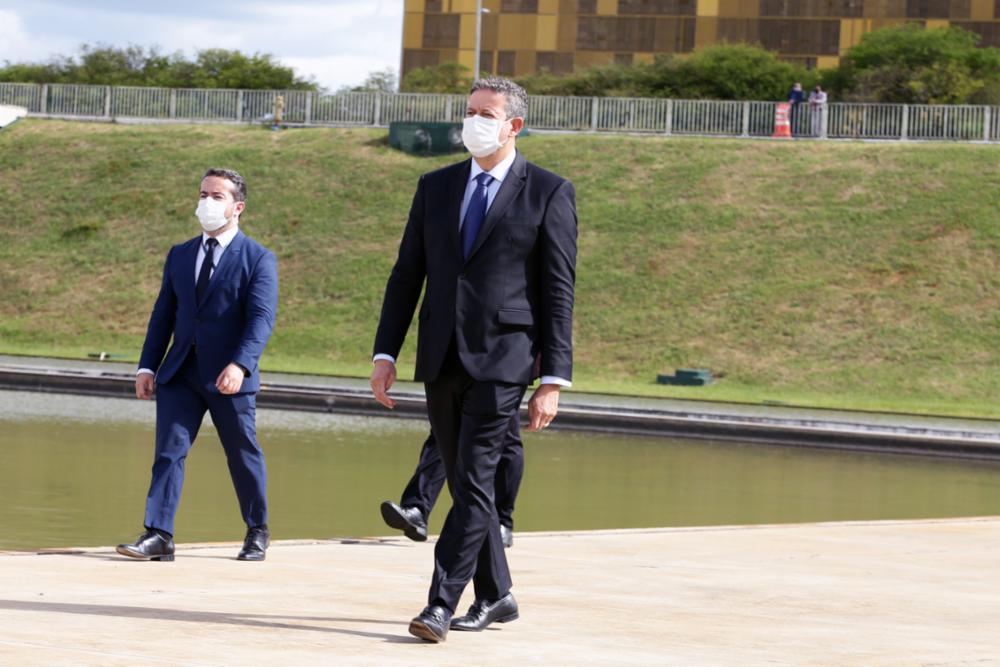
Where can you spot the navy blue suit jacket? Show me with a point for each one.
(233, 322)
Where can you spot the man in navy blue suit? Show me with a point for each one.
(218, 302)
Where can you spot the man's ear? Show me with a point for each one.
(239, 207)
(516, 125)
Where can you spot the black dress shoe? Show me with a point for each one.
(484, 612)
(410, 520)
(432, 624)
(506, 536)
(255, 544)
(151, 545)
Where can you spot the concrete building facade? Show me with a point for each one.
(524, 36)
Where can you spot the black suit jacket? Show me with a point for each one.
(511, 299)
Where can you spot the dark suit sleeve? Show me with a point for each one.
(161, 322)
(557, 269)
(261, 308)
(405, 282)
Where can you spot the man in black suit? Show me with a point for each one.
(494, 238)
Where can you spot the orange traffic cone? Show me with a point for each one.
(782, 126)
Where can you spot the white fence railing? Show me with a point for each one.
(594, 114)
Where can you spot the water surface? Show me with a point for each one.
(74, 472)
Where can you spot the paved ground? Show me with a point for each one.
(881, 593)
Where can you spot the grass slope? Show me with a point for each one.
(833, 274)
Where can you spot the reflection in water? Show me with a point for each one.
(74, 472)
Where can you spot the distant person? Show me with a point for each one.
(817, 102)
(218, 302)
(414, 508)
(796, 97)
(493, 239)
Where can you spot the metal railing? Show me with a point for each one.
(593, 114)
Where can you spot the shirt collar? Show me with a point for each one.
(498, 172)
(225, 238)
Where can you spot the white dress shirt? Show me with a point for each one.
(224, 239)
(499, 173)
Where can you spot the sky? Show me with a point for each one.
(337, 42)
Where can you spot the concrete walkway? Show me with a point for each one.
(882, 593)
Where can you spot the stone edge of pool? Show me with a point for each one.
(396, 540)
(648, 417)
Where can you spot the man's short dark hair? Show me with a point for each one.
(238, 185)
(517, 97)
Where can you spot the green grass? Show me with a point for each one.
(837, 274)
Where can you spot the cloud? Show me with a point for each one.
(336, 42)
(12, 35)
(17, 44)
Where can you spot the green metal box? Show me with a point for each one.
(426, 138)
(690, 377)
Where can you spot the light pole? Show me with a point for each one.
(479, 37)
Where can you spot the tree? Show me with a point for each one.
(380, 81)
(737, 72)
(221, 68)
(138, 66)
(721, 72)
(107, 66)
(598, 81)
(444, 78)
(51, 72)
(911, 65)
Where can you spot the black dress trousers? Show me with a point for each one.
(428, 479)
(470, 420)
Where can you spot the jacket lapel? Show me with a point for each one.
(186, 283)
(230, 258)
(509, 190)
(456, 193)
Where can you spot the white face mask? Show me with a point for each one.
(211, 214)
(481, 135)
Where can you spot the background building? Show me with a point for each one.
(524, 36)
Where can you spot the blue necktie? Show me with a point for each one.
(476, 213)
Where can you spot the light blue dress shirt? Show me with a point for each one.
(498, 173)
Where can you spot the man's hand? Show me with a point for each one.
(145, 386)
(543, 406)
(230, 379)
(383, 377)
